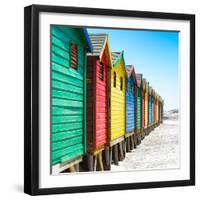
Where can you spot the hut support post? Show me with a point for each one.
(128, 148)
(124, 147)
(106, 158)
(111, 152)
(95, 163)
(90, 159)
(135, 139)
(132, 142)
(100, 162)
(121, 157)
(115, 155)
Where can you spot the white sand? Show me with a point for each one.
(158, 150)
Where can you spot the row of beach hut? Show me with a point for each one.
(100, 108)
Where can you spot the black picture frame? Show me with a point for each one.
(31, 98)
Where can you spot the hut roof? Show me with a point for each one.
(147, 85)
(88, 41)
(131, 71)
(128, 67)
(150, 90)
(98, 43)
(139, 79)
(144, 83)
(115, 56)
(156, 95)
(153, 92)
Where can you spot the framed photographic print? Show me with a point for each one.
(109, 99)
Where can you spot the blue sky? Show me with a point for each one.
(154, 54)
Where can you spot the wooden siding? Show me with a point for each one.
(97, 103)
(156, 110)
(117, 102)
(152, 104)
(91, 63)
(139, 109)
(159, 111)
(130, 105)
(67, 95)
(143, 109)
(101, 104)
(146, 105)
(150, 110)
(162, 104)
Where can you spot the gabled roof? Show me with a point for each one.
(160, 99)
(87, 39)
(147, 85)
(98, 42)
(131, 71)
(144, 83)
(128, 67)
(153, 92)
(150, 90)
(116, 57)
(139, 79)
(156, 95)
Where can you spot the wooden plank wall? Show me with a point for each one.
(143, 109)
(91, 64)
(67, 95)
(130, 105)
(139, 108)
(117, 103)
(150, 109)
(152, 104)
(146, 105)
(101, 106)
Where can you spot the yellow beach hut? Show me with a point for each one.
(117, 103)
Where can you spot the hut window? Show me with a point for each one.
(114, 79)
(121, 83)
(74, 56)
(101, 71)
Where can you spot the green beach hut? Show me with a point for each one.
(68, 96)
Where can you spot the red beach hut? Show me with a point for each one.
(98, 63)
